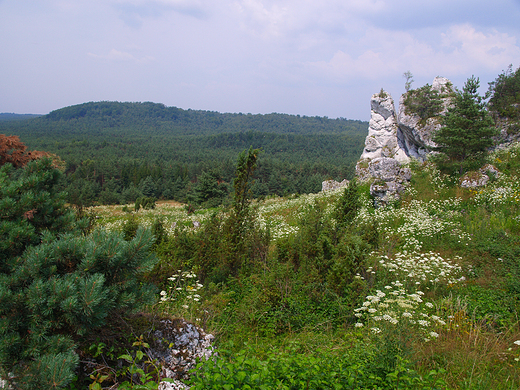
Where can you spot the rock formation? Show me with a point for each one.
(393, 140)
(382, 138)
(177, 346)
(330, 185)
(414, 132)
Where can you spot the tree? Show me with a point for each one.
(348, 205)
(241, 220)
(425, 102)
(210, 189)
(246, 165)
(13, 151)
(56, 282)
(505, 94)
(467, 130)
(409, 80)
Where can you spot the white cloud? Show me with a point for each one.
(470, 47)
(460, 49)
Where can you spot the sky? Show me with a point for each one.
(304, 57)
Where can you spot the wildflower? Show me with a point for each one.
(434, 334)
(517, 342)
(375, 330)
(358, 325)
(406, 314)
(429, 304)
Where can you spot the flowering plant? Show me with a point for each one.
(182, 295)
(397, 307)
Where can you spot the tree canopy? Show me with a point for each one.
(117, 152)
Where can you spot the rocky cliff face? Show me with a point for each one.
(382, 139)
(415, 132)
(393, 140)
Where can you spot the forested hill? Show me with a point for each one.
(177, 121)
(7, 116)
(117, 151)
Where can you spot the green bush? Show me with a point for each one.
(424, 102)
(293, 370)
(145, 202)
(57, 283)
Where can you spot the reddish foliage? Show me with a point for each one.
(13, 151)
(29, 214)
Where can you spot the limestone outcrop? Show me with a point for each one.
(416, 133)
(331, 185)
(479, 178)
(382, 138)
(177, 346)
(393, 139)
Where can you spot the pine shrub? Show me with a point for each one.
(57, 283)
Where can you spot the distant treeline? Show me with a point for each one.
(115, 152)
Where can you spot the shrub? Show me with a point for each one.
(55, 282)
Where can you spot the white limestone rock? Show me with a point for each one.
(330, 185)
(177, 345)
(393, 140)
(479, 178)
(390, 178)
(382, 139)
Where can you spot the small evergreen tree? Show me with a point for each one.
(425, 102)
(467, 130)
(241, 219)
(210, 189)
(145, 202)
(348, 205)
(56, 282)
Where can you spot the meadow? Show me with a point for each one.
(423, 293)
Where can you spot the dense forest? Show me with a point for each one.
(116, 152)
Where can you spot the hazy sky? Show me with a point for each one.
(307, 57)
